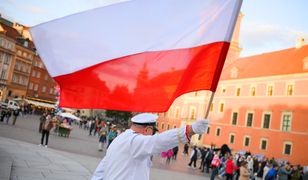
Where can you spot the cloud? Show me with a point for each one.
(259, 38)
(35, 9)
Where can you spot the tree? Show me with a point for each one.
(120, 117)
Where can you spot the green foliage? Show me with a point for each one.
(119, 115)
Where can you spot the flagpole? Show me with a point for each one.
(209, 105)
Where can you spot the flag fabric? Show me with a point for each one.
(137, 55)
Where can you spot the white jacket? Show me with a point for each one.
(128, 157)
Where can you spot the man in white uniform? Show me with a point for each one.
(128, 157)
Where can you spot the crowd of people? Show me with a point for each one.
(104, 130)
(220, 163)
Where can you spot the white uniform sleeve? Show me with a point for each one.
(99, 172)
(143, 146)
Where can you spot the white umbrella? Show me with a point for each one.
(69, 115)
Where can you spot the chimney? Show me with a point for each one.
(300, 42)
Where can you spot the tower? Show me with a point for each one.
(235, 49)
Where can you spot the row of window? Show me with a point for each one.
(21, 66)
(37, 74)
(263, 145)
(38, 64)
(25, 54)
(35, 87)
(286, 120)
(7, 44)
(246, 141)
(5, 58)
(20, 79)
(269, 90)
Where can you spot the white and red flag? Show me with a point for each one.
(137, 55)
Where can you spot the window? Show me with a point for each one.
(289, 90)
(221, 107)
(177, 112)
(238, 91)
(33, 73)
(7, 59)
(286, 122)
(212, 107)
(234, 118)
(287, 149)
(196, 93)
(223, 90)
(266, 121)
(162, 126)
(31, 85)
(231, 138)
(192, 113)
(17, 65)
(174, 126)
(35, 87)
(46, 77)
(14, 78)
(305, 63)
(249, 119)
(44, 89)
(252, 91)
(50, 90)
(38, 74)
(269, 90)
(263, 144)
(168, 127)
(170, 112)
(246, 141)
(3, 74)
(218, 132)
(208, 130)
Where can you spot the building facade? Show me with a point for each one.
(260, 105)
(41, 85)
(22, 73)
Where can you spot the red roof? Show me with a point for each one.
(287, 61)
(10, 31)
(13, 33)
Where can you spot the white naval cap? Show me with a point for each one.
(144, 118)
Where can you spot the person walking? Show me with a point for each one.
(215, 166)
(175, 152)
(102, 138)
(272, 173)
(46, 127)
(284, 172)
(112, 134)
(8, 115)
(42, 120)
(128, 157)
(230, 168)
(185, 150)
(15, 115)
(193, 157)
(92, 126)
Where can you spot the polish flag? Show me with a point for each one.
(137, 55)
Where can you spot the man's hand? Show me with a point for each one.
(199, 126)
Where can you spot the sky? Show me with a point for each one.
(267, 25)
